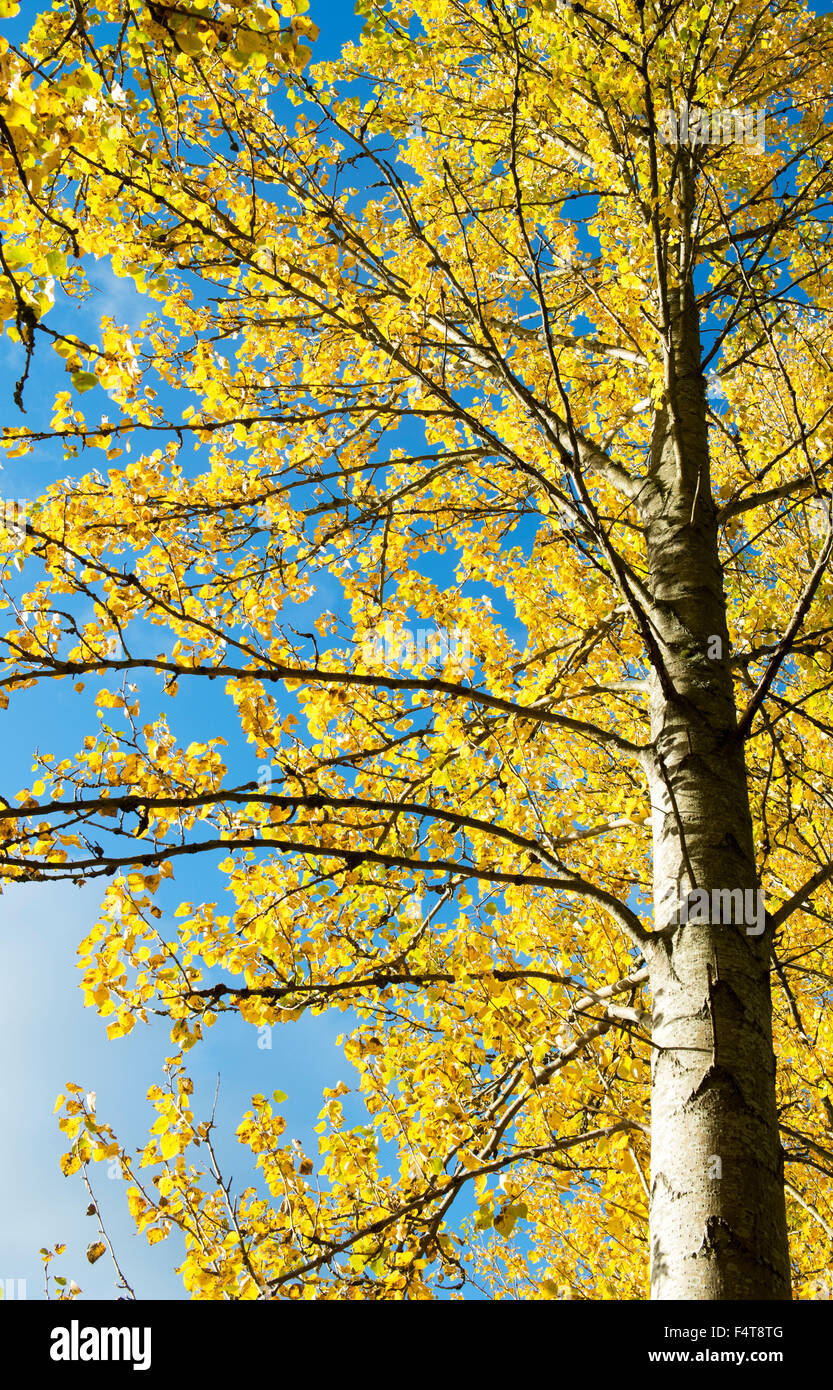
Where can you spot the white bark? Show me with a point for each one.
(718, 1223)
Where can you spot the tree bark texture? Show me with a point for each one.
(718, 1222)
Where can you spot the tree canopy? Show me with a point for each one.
(451, 343)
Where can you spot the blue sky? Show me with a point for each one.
(46, 1036)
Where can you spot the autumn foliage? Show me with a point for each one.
(407, 338)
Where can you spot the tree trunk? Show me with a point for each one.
(718, 1219)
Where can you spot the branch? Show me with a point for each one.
(108, 865)
(277, 671)
(382, 980)
(777, 919)
(783, 648)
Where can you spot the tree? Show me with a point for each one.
(526, 297)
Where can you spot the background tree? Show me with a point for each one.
(503, 317)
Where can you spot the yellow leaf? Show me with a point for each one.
(169, 1144)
